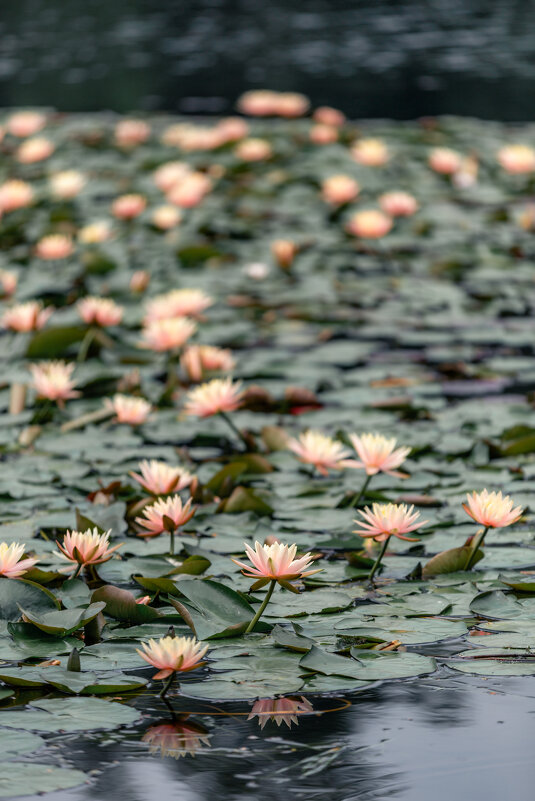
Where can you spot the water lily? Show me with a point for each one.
(280, 710)
(172, 655)
(377, 454)
(386, 520)
(491, 510)
(12, 561)
(84, 548)
(176, 739)
(320, 450)
(167, 514)
(159, 478)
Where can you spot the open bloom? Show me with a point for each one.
(8, 282)
(369, 224)
(99, 311)
(170, 174)
(15, 194)
(276, 562)
(133, 411)
(253, 150)
(398, 204)
(329, 116)
(213, 397)
(279, 710)
(339, 189)
(29, 316)
(492, 509)
(54, 246)
(166, 217)
(12, 563)
(322, 134)
(444, 160)
(87, 547)
(517, 159)
(127, 207)
(190, 191)
(370, 152)
(197, 360)
(172, 654)
(154, 520)
(33, 150)
(386, 520)
(67, 184)
(26, 123)
(53, 380)
(176, 739)
(377, 454)
(325, 453)
(129, 133)
(159, 478)
(169, 334)
(95, 232)
(177, 303)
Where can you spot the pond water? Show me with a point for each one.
(439, 738)
(371, 58)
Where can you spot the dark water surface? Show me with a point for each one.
(444, 738)
(372, 58)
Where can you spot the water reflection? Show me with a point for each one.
(280, 710)
(176, 738)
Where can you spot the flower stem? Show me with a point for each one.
(166, 686)
(356, 498)
(260, 612)
(234, 428)
(478, 541)
(86, 344)
(172, 542)
(378, 560)
(77, 571)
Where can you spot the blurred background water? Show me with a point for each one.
(371, 58)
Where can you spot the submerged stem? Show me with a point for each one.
(260, 612)
(478, 541)
(172, 542)
(378, 560)
(356, 498)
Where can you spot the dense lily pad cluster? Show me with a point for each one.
(259, 334)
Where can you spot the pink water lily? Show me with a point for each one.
(160, 515)
(173, 654)
(132, 411)
(377, 454)
(280, 710)
(385, 520)
(276, 562)
(87, 547)
(492, 509)
(159, 478)
(176, 739)
(23, 317)
(99, 311)
(12, 561)
(213, 397)
(325, 453)
(53, 380)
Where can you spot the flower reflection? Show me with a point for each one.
(177, 738)
(280, 710)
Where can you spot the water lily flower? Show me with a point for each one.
(99, 311)
(54, 247)
(322, 134)
(339, 189)
(274, 564)
(284, 252)
(377, 454)
(385, 520)
(369, 224)
(139, 281)
(167, 514)
(167, 334)
(86, 548)
(12, 563)
(53, 380)
(127, 207)
(253, 150)
(370, 152)
(492, 509)
(177, 303)
(291, 104)
(95, 232)
(325, 453)
(29, 316)
(166, 217)
(132, 411)
(176, 739)
(8, 282)
(398, 204)
(173, 654)
(15, 194)
(170, 174)
(517, 159)
(26, 123)
(67, 184)
(329, 116)
(280, 710)
(33, 150)
(220, 395)
(198, 360)
(159, 478)
(444, 160)
(191, 191)
(130, 133)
